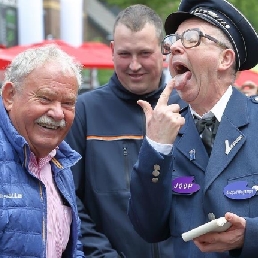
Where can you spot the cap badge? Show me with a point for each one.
(213, 15)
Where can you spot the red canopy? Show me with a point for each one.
(97, 55)
(90, 55)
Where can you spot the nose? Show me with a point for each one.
(135, 65)
(177, 48)
(56, 111)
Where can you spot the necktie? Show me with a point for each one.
(207, 128)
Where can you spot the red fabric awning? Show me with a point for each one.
(90, 54)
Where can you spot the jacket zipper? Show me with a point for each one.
(127, 172)
(42, 200)
(43, 221)
(155, 249)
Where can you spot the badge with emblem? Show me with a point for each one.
(239, 190)
(185, 185)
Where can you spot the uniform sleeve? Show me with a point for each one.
(250, 248)
(150, 195)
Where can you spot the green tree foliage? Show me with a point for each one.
(248, 7)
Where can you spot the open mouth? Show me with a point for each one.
(49, 126)
(181, 74)
(180, 69)
(136, 75)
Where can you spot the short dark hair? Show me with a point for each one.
(135, 17)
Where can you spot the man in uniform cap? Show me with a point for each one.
(199, 162)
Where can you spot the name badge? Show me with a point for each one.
(239, 190)
(185, 185)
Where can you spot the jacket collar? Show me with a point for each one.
(13, 136)
(123, 93)
(229, 139)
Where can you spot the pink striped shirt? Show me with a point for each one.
(59, 216)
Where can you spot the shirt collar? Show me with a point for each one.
(42, 161)
(219, 107)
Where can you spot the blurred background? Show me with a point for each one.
(76, 22)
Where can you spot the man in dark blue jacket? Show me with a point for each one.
(108, 130)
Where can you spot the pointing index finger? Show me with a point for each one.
(164, 96)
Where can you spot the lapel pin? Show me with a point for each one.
(229, 147)
(192, 154)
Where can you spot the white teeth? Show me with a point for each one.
(50, 123)
(49, 126)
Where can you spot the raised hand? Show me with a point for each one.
(164, 121)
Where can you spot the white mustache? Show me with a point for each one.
(50, 121)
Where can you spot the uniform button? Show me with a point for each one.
(155, 173)
(211, 216)
(154, 180)
(156, 167)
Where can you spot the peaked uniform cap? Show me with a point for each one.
(225, 16)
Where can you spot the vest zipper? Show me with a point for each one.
(44, 233)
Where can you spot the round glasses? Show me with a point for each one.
(190, 38)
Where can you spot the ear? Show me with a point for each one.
(112, 48)
(8, 92)
(227, 58)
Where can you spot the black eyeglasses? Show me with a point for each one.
(190, 38)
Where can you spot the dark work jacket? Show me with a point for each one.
(107, 131)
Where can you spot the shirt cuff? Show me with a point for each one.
(162, 148)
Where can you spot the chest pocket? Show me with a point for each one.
(111, 165)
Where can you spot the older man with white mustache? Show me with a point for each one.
(37, 199)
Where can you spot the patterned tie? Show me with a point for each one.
(207, 128)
